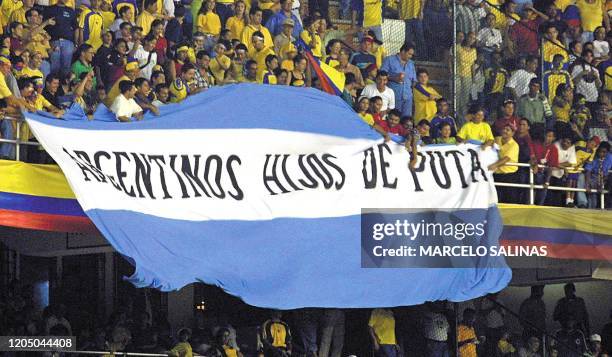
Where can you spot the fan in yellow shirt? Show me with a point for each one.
(90, 25)
(382, 328)
(6, 9)
(221, 63)
(372, 13)
(208, 22)
(425, 97)
(476, 129)
(256, 16)
(18, 14)
(311, 38)
(259, 51)
(236, 23)
(147, 16)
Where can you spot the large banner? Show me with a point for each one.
(260, 190)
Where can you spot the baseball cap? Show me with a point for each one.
(374, 38)
(288, 22)
(5, 60)
(597, 141)
(595, 338)
(131, 66)
(367, 39)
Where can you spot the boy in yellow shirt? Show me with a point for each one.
(425, 97)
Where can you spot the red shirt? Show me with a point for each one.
(545, 154)
(524, 34)
(160, 48)
(500, 123)
(398, 129)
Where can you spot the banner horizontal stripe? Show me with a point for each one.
(46, 222)
(556, 236)
(594, 221)
(566, 251)
(215, 100)
(333, 253)
(33, 179)
(37, 204)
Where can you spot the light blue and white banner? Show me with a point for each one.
(259, 190)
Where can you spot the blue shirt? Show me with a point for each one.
(362, 60)
(597, 167)
(394, 66)
(65, 22)
(275, 24)
(436, 125)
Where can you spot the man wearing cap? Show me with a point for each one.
(63, 33)
(278, 21)
(5, 92)
(402, 76)
(286, 35)
(256, 15)
(364, 58)
(595, 349)
(131, 73)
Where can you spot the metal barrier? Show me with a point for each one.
(532, 186)
(17, 141)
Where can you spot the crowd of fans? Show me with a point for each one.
(534, 81)
(475, 328)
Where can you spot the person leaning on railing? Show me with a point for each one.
(508, 153)
(543, 152)
(597, 173)
(5, 93)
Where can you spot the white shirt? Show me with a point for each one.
(519, 81)
(123, 107)
(388, 97)
(601, 48)
(142, 57)
(489, 37)
(169, 7)
(565, 156)
(588, 90)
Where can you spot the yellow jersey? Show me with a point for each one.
(235, 27)
(476, 131)
(209, 23)
(510, 150)
(372, 13)
(91, 22)
(317, 49)
(383, 324)
(144, 20)
(424, 104)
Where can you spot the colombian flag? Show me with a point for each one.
(332, 80)
(39, 197)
